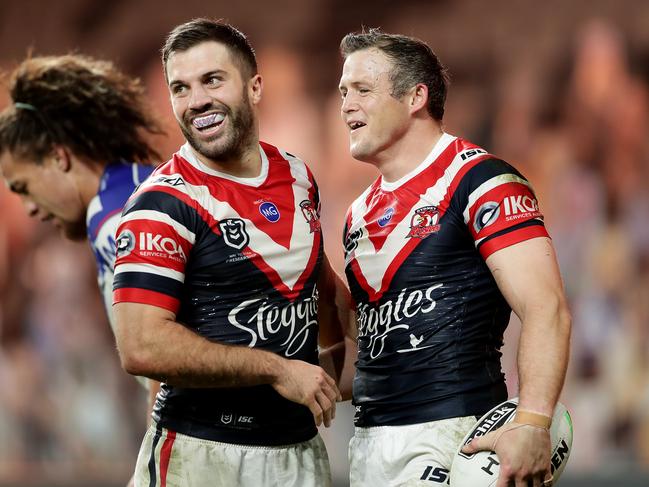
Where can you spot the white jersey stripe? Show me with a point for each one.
(289, 263)
(158, 216)
(150, 269)
(374, 264)
(488, 186)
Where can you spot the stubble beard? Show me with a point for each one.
(232, 143)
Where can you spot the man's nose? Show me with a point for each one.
(199, 99)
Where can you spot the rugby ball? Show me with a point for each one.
(481, 469)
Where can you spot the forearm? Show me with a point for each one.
(167, 351)
(339, 362)
(543, 353)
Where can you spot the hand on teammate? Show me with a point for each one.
(310, 385)
(523, 451)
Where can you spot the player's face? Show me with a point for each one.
(211, 100)
(375, 119)
(47, 191)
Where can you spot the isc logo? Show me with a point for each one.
(269, 211)
(435, 474)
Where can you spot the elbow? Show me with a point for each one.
(135, 360)
(134, 363)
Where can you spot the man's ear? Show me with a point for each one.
(255, 87)
(62, 158)
(419, 98)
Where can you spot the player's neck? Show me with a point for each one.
(409, 151)
(88, 174)
(245, 163)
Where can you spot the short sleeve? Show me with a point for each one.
(154, 238)
(499, 207)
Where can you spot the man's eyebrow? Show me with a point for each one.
(220, 72)
(212, 73)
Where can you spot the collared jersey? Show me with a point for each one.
(430, 315)
(236, 259)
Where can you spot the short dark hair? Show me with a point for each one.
(197, 31)
(84, 104)
(412, 60)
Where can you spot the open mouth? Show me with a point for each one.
(207, 122)
(355, 125)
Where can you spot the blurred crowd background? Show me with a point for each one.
(558, 88)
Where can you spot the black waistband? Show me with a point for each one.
(474, 404)
(240, 429)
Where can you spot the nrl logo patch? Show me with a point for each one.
(424, 222)
(234, 233)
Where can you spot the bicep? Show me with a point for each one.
(527, 274)
(133, 321)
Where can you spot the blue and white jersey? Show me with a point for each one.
(117, 183)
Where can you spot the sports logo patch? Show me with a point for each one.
(269, 211)
(487, 214)
(424, 222)
(170, 180)
(310, 214)
(125, 243)
(234, 233)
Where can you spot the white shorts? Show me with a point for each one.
(410, 455)
(171, 459)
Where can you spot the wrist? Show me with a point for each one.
(276, 368)
(532, 418)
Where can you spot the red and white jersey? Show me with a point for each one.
(237, 260)
(430, 315)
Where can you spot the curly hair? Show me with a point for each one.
(79, 102)
(412, 62)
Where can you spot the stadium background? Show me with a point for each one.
(560, 89)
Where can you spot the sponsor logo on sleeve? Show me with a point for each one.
(125, 243)
(424, 222)
(156, 245)
(520, 207)
(486, 215)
